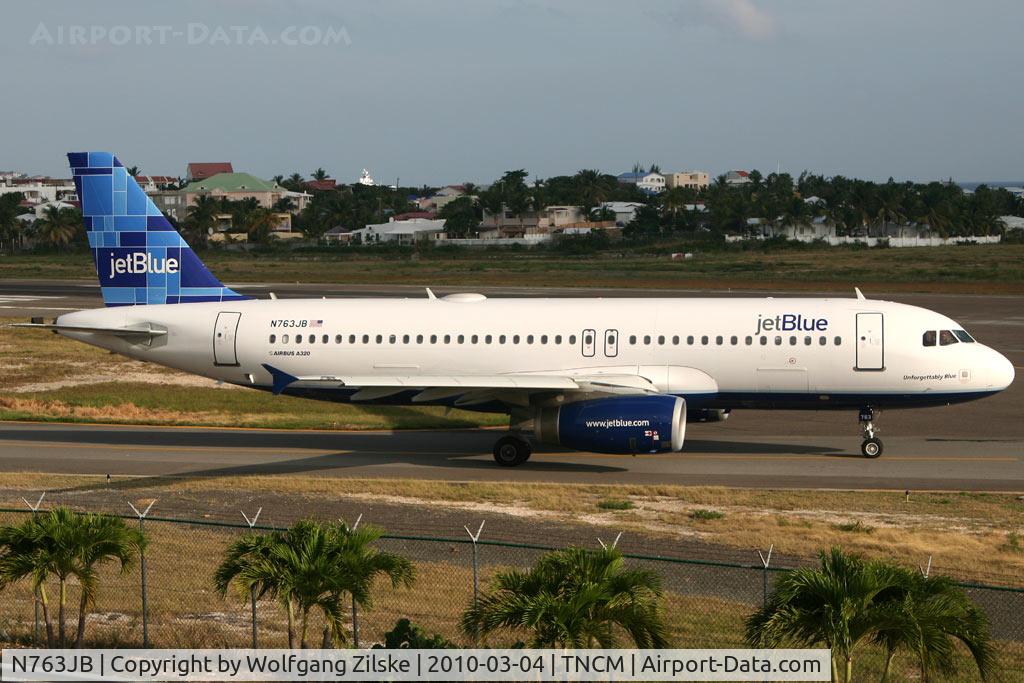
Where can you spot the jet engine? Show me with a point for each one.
(626, 424)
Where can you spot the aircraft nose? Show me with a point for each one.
(1001, 371)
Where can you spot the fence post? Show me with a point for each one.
(355, 609)
(476, 567)
(252, 589)
(35, 596)
(925, 571)
(765, 560)
(142, 567)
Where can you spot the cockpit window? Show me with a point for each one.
(928, 339)
(946, 338)
(963, 336)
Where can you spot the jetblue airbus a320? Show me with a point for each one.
(602, 375)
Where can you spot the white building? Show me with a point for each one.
(366, 179)
(40, 190)
(402, 232)
(649, 182)
(624, 212)
(737, 178)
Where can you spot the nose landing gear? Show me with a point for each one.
(871, 447)
(511, 450)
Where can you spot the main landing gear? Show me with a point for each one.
(871, 447)
(511, 450)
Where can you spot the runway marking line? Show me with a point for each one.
(216, 449)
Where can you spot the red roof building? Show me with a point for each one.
(321, 185)
(429, 215)
(203, 170)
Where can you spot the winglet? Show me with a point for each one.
(430, 293)
(860, 294)
(281, 379)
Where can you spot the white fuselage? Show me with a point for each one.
(830, 353)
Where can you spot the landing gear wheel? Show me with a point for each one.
(871, 448)
(510, 451)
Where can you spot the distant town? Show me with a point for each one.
(215, 205)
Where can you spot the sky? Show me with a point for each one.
(447, 91)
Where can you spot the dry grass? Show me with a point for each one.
(186, 612)
(970, 535)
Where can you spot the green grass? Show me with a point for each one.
(705, 515)
(1013, 543)
(857, 527)
(975, 268)
(615, 504)
(140, 403)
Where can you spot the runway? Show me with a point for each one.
(711, 457)
(975, 446)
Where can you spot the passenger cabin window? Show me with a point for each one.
(419, 338)
(337, 339)
(501, 339)
(380, 338)
(558, 339)
(838, 341)
(734, 340)
(632, 339)
(298, 339)
(366, 339)
(689, 340)
(675, 340)
(928, 338)
(312, 339)
(946, 338)
(284, 339)
(748, 340)
(572, 339)
(704, 340)
(647, 339)
(273, 338)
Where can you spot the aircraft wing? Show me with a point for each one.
(466, 389)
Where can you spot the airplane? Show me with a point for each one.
(619, 375)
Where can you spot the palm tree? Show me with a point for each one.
(319, 174)
(309, 567)
(574, 598)
(361, 563)
(58, 225)
(927, 616)
(133, 171)
(835, 605)
(64, 544)
(10, 226)
(592, 187)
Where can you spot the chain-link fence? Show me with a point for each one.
(706, 603)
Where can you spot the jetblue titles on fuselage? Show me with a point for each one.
(791, 322)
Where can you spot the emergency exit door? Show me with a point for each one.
(225, 331)
(870, 341)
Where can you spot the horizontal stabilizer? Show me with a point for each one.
(146, 331)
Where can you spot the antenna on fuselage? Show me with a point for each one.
(430, 293)
(860, 294)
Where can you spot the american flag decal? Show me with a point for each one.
(316, 323)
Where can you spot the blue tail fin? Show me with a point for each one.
(140, 258)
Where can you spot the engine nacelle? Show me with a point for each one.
(627, 424)
(707, 415)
